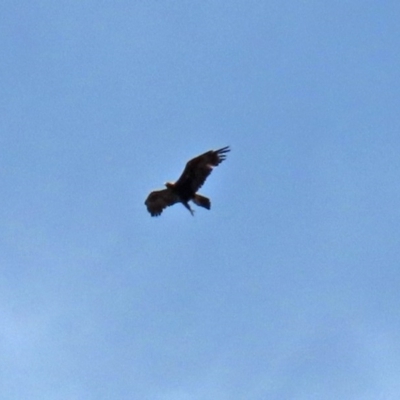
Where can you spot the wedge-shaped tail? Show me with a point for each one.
(201, 201)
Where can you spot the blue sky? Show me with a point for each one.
(288, 288)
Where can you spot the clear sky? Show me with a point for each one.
(288, 288)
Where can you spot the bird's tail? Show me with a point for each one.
(202, 201)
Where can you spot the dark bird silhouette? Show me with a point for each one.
(184, 189)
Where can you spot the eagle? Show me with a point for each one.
(185, 188)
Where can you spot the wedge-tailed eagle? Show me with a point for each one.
(185, 188)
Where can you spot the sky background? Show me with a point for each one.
(289, 288)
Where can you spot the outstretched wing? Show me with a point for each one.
(160, 199)
(198, 169)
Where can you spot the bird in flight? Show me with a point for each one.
(184, 189)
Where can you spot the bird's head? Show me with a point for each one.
(169, 185)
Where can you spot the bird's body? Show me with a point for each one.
(185, 188)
